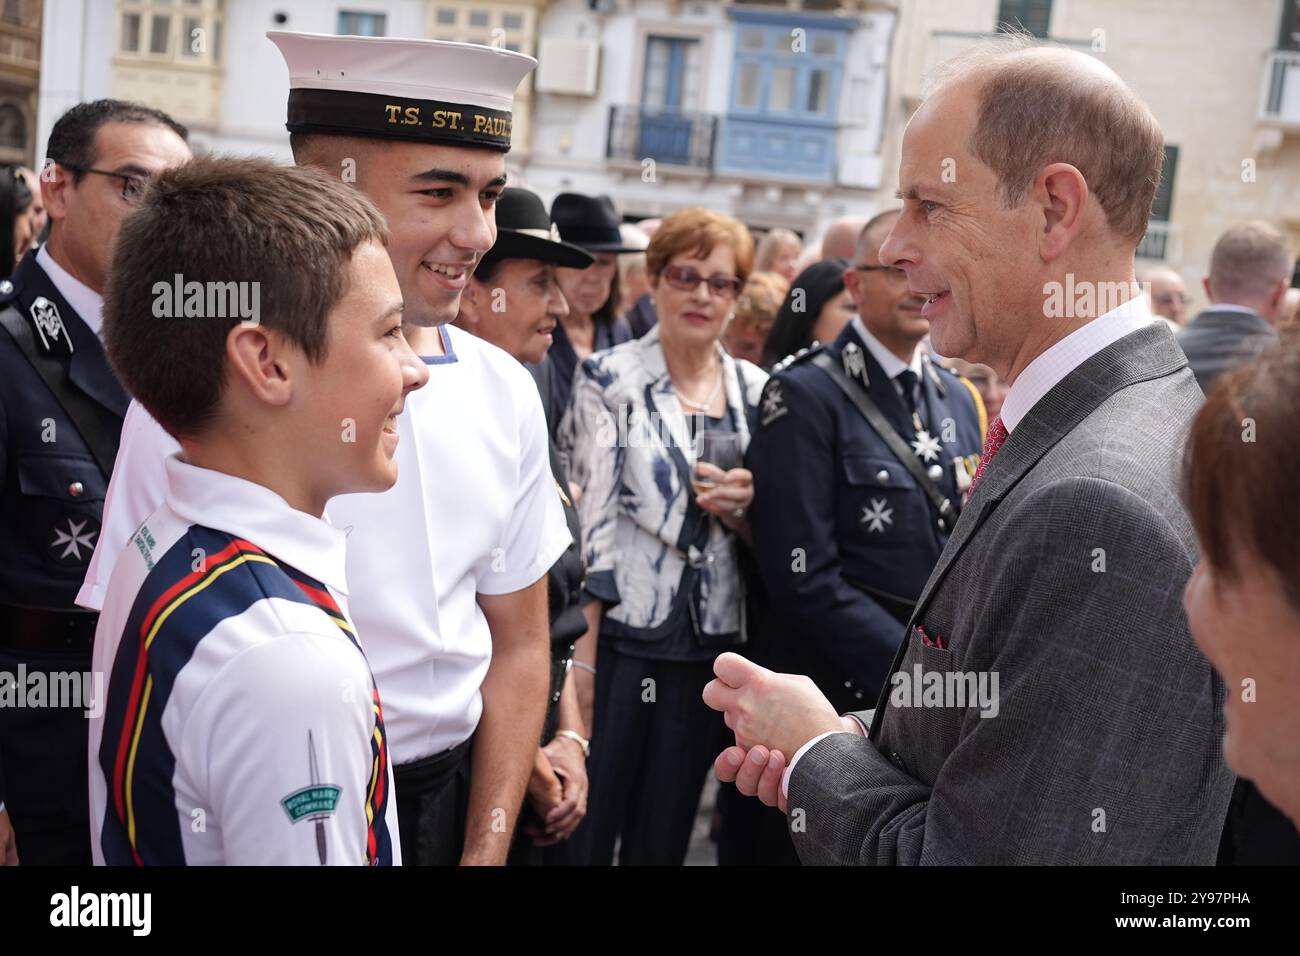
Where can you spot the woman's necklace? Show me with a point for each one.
(708, 402)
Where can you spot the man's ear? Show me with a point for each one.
(55, 182)
(1209, 292)
(257, 359)
(1274, 306)
(1062, 192)
(472, 302)
(853, 282)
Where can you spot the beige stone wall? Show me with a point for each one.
(1199, 65)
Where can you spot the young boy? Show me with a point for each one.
(253, 311)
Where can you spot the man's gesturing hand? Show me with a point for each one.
(779, 711)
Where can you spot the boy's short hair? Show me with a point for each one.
(249, 232)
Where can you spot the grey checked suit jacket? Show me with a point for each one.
(1064, 576)
(1217, 341)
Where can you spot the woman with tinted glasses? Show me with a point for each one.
(663, 583)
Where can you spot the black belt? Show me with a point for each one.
(430, 774)
(36, 629)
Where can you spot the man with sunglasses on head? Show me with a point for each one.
(863, 451)
(61, 412)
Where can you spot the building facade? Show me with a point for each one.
(1223, 80)
(20, 68)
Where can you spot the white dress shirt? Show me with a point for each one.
(85, 301)
(1036, 380)
(474, 511)
(893, 366)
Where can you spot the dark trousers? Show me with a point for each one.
(648, 759)
(43, 756)
(432, 804)
(1256, 833)
(752, 834)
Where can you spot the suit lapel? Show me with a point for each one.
(1146, 354)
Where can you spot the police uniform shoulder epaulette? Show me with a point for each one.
(8, 291)
(800, 356)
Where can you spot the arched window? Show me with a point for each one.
(13, 128)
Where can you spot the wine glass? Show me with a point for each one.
(718, 448)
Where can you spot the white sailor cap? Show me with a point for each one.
(432, 91)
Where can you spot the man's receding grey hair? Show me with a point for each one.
(1033, 112)
(1249, 260)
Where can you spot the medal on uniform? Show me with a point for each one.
(926, 446)
(49, 324)
(961, 471)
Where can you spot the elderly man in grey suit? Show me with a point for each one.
(1047, 704)
(1250, 271)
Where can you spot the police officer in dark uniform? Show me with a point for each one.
(863, 451)
(61, 411)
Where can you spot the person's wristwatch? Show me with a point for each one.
(577, 738)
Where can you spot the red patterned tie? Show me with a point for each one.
(992, 444)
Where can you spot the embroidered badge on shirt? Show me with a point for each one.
(315, 802)
(855, 363)
(49, 324)
(877, 516)
(773, 404)
(74, 538)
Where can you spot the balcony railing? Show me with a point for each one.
(1162, 242)
(1280, 98)
(671, 138)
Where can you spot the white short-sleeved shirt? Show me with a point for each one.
(241, 723)
(474, 511)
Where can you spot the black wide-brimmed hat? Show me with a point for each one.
(525, 231)
(589, 221)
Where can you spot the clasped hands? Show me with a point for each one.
(772, 716)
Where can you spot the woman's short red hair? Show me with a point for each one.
(696, 231)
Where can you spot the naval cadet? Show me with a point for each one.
(61, 412)
(863, 451)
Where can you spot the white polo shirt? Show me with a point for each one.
(474, 511)
(241, 723)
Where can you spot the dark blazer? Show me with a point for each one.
(1064, 580)
(564, 362)
(844, 537)
(1218, 340)
(53, 492)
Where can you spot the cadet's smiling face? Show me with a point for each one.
(440, 202)
(362, 381)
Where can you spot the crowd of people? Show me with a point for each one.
(490, 529)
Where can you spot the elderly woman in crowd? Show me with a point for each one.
(520, 270)
(666, 595)
(593, 323)
(816, 309)
(779, 252)
(756, 310)
(1243, 600)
